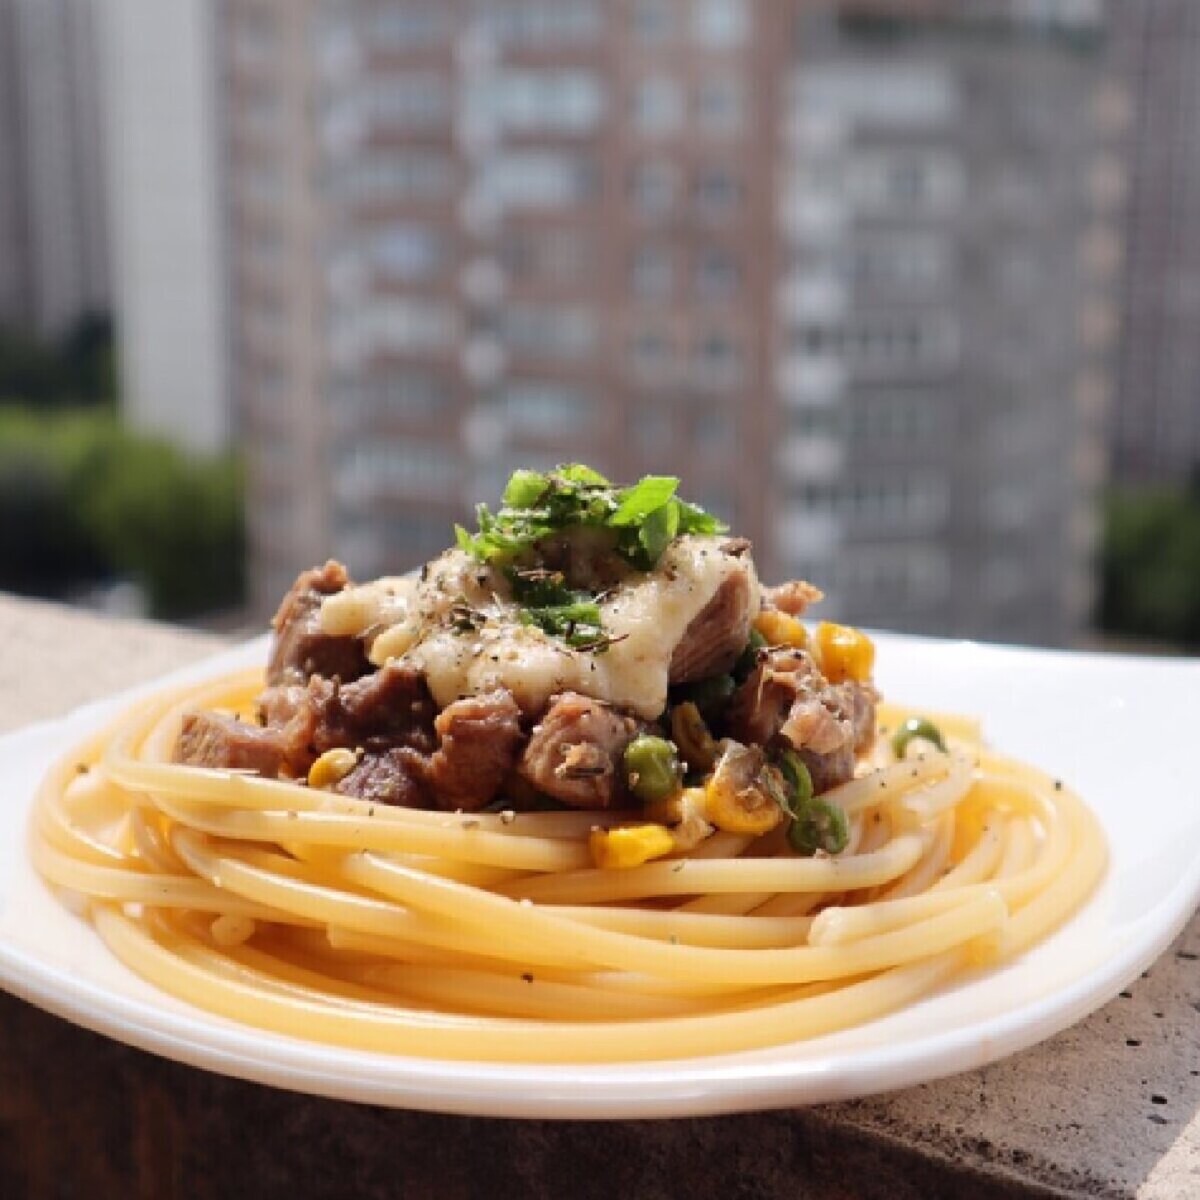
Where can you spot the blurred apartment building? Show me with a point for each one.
(947, 311)
(1157, 425)
(473, 235)
(53, 233)
(846, 269)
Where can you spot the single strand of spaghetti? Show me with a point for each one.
(1067, 887)
(458, 839)
(152, 847)
(981, 860)
(930, 866)
(622, 951)
(56, 822)
(1019, 850)
(693, 928)
(337, 907)
(887, 782)
(841, 924)
(476, 874)
(461, 990)
(927, 803)
(513, 1039)
(134, 887)
(684, 877)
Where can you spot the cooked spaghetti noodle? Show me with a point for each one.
(492, 936)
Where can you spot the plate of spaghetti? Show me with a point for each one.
(583, 819)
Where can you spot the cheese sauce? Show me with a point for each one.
(644, 619)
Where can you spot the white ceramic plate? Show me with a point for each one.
(1118, 729)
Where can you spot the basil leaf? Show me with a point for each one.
(640, 500)
(524, 489)
(578, 473)
(659, 529)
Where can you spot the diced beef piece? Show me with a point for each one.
(717, 634)
(479, 738)
(786, 697)
(574, 753)
(388, 708)
(300, 647)
(793, 597)
(397, 776)
(210, 739)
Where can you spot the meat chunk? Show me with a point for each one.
(717, 634)
(478, 741)
(793, 597)
(388, 708)
(397, 776)
(300, 647)
(786, 697)
(574, 753)
(209, 739)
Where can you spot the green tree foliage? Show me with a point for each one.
(73, 370)
(1150, 585)
(82, 499)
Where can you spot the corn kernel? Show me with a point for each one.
(629, 845)
(781, 629)
(844, 653)
(737, 808)
(331, 768)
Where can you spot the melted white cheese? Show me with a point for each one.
(647, 616)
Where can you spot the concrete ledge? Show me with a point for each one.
(1109, 1108)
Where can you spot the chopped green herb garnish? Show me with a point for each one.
(645, 517)
(642, 520)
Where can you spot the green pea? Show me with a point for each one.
(917, 727)
(652, 768)
(820, 826)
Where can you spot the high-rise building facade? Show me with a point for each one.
(53, 232)
(470, 235)
(1157, 416)
(822, 263)
(946, 334)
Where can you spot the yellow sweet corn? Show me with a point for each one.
(735, 796)
(331, 768)
(781, 629)
(629, 845)
(844, 653)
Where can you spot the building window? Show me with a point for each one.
(377, 470)
(406, 252)
(651, 356)
(403, 175)
(536, 408)
(653, 21)
(721, 106)
(658, 107)
(720, 24)
(539, 179)
(412, 100)
(718, 193)
(563, 332)
(717, 363)
(653, 186)
(653, 272)
(406, 26)
(540, 22)
(539, 101)
(409, 395)
(717, 274)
